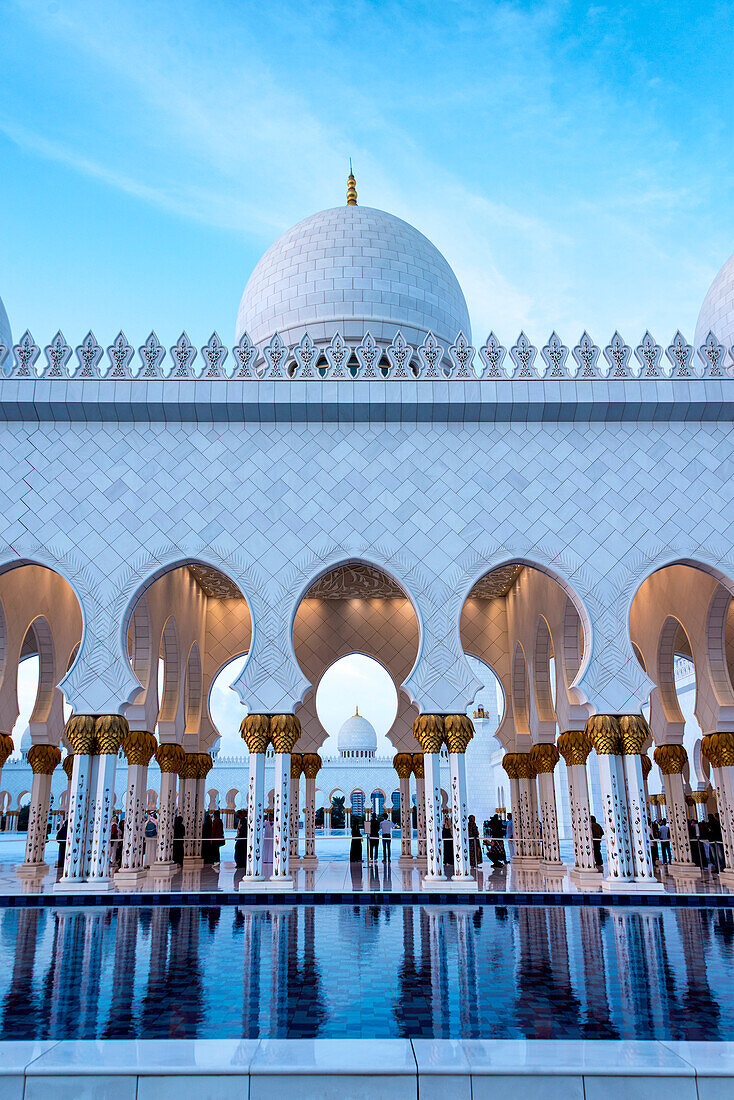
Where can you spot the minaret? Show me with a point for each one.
(351, 187)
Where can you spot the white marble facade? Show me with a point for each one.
(337, 488)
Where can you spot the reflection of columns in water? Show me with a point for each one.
(252, 924)
(440, 1006)
(89, 978)
(61, 1005)
(156, 988)
(20, 1009)
(467, 964)
(533, 970)
(701, 1010)
(647, 1001)
(279, 981)
(598, 1023)
(120, 1024)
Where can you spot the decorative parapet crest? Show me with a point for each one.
(310, 360)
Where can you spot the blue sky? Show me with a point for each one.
(573, 161)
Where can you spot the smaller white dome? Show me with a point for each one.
(357, 735)
(25, 741)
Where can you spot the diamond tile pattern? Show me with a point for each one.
(600, 504)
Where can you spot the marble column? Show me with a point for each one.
(543, 758)
(285, 729)
(43, 760)
(519, 768)
(718, 748)
(635, 732)
(295, 809)
(255, 731)
(420, 804)
(672, 759)
(109, 732)
(170, 758)
(139, 746)
(700, 801)
(459, 731)
(187, 776)
(575, 746)
(428, 730)
(403, 764)
(80, 734)
(606, 736)
(311, 768)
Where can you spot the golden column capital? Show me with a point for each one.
(605, 734)
(646, 764)
(635, 732)
(544, 757)
(671, 759)
(403, 764)
(189, 766)
(79, 732)
(574, 746)
(6, 747)
(296, 765)
(428, 730)
(68, 765)
(255, 732)
(44, 759)
(204, 764)
(459, 730)
(139, 746)
(285, 729)
(718, 748)
(109, 732)
(311, 764)
(419, 768)
(170, 757)
(518, 765)
(700, 798)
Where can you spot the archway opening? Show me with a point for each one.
(356, 686)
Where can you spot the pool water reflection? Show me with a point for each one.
(367, 971)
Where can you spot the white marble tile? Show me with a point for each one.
(707, 1059)
(334, 1056)
(587, 1057)
(87, 1087)
(317, 1086)
(202, 1086)
(715, 1088)
(145, 1056)
(541, 1087)
(11, 1087)
(635, 1087)
(443, 1069)
(16, 1055)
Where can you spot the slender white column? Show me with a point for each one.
(548, 814)
(255, 801)
(420, 813)
(35, 846)
(188, 808)
(99, 870)
(434, 841)
(637, 817)
(620, 864)
(295, 809)
(76, 842)
(309, 820)
(133, 844)
(459, 818)
(166, 818)
(528, 820)
(578, 793)
(675, 800)
(517, 853)
(281, 833)
(406, 827)
(199, 810)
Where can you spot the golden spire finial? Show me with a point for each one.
(356, 712)
(351, 187)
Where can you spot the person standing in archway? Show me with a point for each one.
(355, 850)
(386, 831)
(374, 841)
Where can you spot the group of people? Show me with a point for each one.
(380, 829)
(707, 844)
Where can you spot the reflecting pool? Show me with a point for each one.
(367, 971)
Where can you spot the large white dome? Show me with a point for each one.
(349, 270)
(357, 735)
(717, 311)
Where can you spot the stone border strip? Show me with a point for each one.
(397, 1069)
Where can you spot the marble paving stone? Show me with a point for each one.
(443, 1069)
(540, 1087)
(11, 1087)
(336, 1086)
(576, 1056)
(333, 1069)
(87, 1087)
(633, 1087)
(203, 1086)
(16, 1055)
(145, 1056)
(707, 1059)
